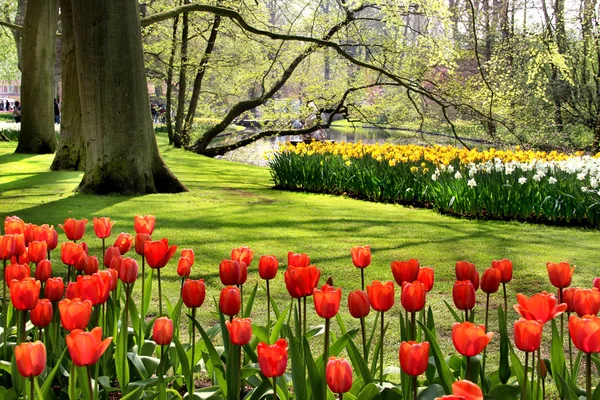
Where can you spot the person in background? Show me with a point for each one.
(7, 106)
(17, 112)
(56, 112)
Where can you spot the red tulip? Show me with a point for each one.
(37, 251)
(361, 256)
(381, 295)
(30, 358)
(243, 272)
(272, 359)
(230, 272)
(115, 264)
(490, 280)
(338, 375)
(467, 390)
(230, 301)
(16, 272)
(587, 302)
(243, 254)
(140, 242)
(358, 304)
(123, 242)
(158, 253)
(74, 229)
(86, 348)
(560, 274)
(298, 260)
(11, 245)
(91, 265)
(568, 296)
(128, 270)
(426, 277)
(71, 253)
(463, 294)
(193, 293)
(528, 334)
(21, 259)
(54, 289)
(24, 294)
(189, 254)
(85, 248)
(72, 291)
(585, 333)
(43, 271)
(301, 281)
(110, 254)
(267, 267)
(75, 314)
(144, 224)
(466, 271)
(41, 315)
(240, 331)
(184, 267)
(102, 227)
(46, 233)
(405, 271)
(30, 233)
(109, 278)
(162, 331)
(596, 283)
(14, 226)
(470, 339)
(412, 296)
(506, 269)
(327, 301)
(91, 287)
(414, 357)
(541, 306)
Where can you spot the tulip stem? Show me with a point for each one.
(103, 251)
(159, 294)
(532, 370)
(299, 317)
(32, 388)
(562, 333)
(487, 311)
(4, 310)
(304, 316)
(415, 387)
(466, 315)
(524, 392)
(505, 302)
(124, 328)
(413, 325)
(570, 347)
(192, 364)
(268, 310)
(341, 396)
(275, 388)
(362, 278)
(143, 286)
(468, 371)
(381, 352)
(326, 346)
(68, 274)
(22, 335)
(588, 374)
(364, 337)
(91, 389)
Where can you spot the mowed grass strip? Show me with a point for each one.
(230, 204)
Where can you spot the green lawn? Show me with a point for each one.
(229, 205)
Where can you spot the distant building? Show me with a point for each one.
(11, 90)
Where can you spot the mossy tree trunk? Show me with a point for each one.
(37, 84)
(121, 150)
(70, 154)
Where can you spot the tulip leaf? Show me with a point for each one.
(73, 392)
(261, 390)
(442, 367)
(224, 332)
(577, 365)
(359, 363)
(518, 368)
(372, 335)
(336, 348)
(133, 395)
(121, 363)
(84, 381)
(147, 295)
(316, 331)
(341, 324)
(187, 374)
(214, 359)
(275, 307)
(135, 319)
(431, 392)
(315, 373)
(454, 314)
(138, 366)
(504, 368)
(298, 367)
(430, 321)
(279, 324)
(505, 392)
(232, 372)
(250, 353)
(250, 302)
(49, 380)
(557, 359)
(369, 392)
(261, 333)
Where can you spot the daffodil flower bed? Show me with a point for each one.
(526, 185)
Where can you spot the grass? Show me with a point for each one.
(230, 204)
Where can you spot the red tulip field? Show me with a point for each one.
(83, 335)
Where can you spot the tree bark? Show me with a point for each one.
(170, 69)
(37, 84)
(70, 154)
(179, 140)
(122, 154)
(210, 46)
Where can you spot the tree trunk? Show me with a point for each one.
(17, 36)
(70, 154)
(189, 120)
(37, 84)
(170, 79)
(121, 155)
(179, 140)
